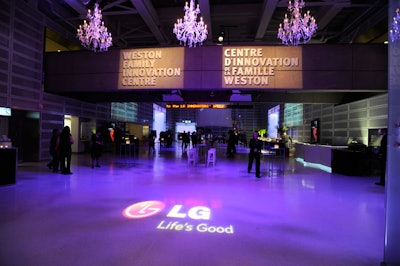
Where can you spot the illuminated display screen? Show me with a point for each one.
(293, 114)
(178, 217)
(273, 121)
(262, 67)
(5, 111)
(151, 68)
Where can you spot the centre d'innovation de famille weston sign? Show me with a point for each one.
(262, 67)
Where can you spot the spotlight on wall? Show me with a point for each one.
(221, 37)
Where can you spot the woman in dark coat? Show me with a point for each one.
(65, 143)
(54, 150)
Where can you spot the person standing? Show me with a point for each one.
(231, 148)
(97, 145)
(152, 141)
(194, 139)
(382, 157)
(255, 153)
(65, 143)
(54, 151)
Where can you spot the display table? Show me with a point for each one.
(8, 165)
(273, 159)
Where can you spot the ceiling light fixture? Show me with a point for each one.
(190, 31)
(298, 29)
(394, 32)
(94, 35)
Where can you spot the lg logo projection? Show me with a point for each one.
(197, 213)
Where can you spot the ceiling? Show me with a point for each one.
(149, 23)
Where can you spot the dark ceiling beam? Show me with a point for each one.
(115, 3)
(268, 10)
(68, 33)
(328, 13)
(77, 6)
(61, 31)
(364, 21)
(150, 17)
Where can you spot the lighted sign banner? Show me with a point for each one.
(262, 67)
(196, 106)
(151, 68)
(207, 106)
(179, 218)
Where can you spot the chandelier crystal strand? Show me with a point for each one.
(297, 29)
(189, 31)
(395, 31)
(93, 34)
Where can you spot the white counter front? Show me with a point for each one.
(314, 153)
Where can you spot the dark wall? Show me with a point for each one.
(348, 67)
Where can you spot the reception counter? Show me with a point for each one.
(349, 162)
(336, 159)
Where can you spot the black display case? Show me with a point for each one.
(8, 165)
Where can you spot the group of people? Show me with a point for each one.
(61, 150)
(185, 140)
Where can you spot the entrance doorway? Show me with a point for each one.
(25, 134)
(184, 127)
(159, 120)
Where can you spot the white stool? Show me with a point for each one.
(211, 156)
(192, 156)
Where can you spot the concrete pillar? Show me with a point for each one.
(392, 227)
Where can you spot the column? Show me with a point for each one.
(392, 226)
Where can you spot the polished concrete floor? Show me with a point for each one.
(158, 210)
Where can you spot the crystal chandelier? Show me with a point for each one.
(298, 29)
(395, 31)
(190, 31)
(94, 35)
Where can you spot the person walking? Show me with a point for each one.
(255, 154)
(65, 143)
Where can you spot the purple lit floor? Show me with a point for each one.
(302, 217)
